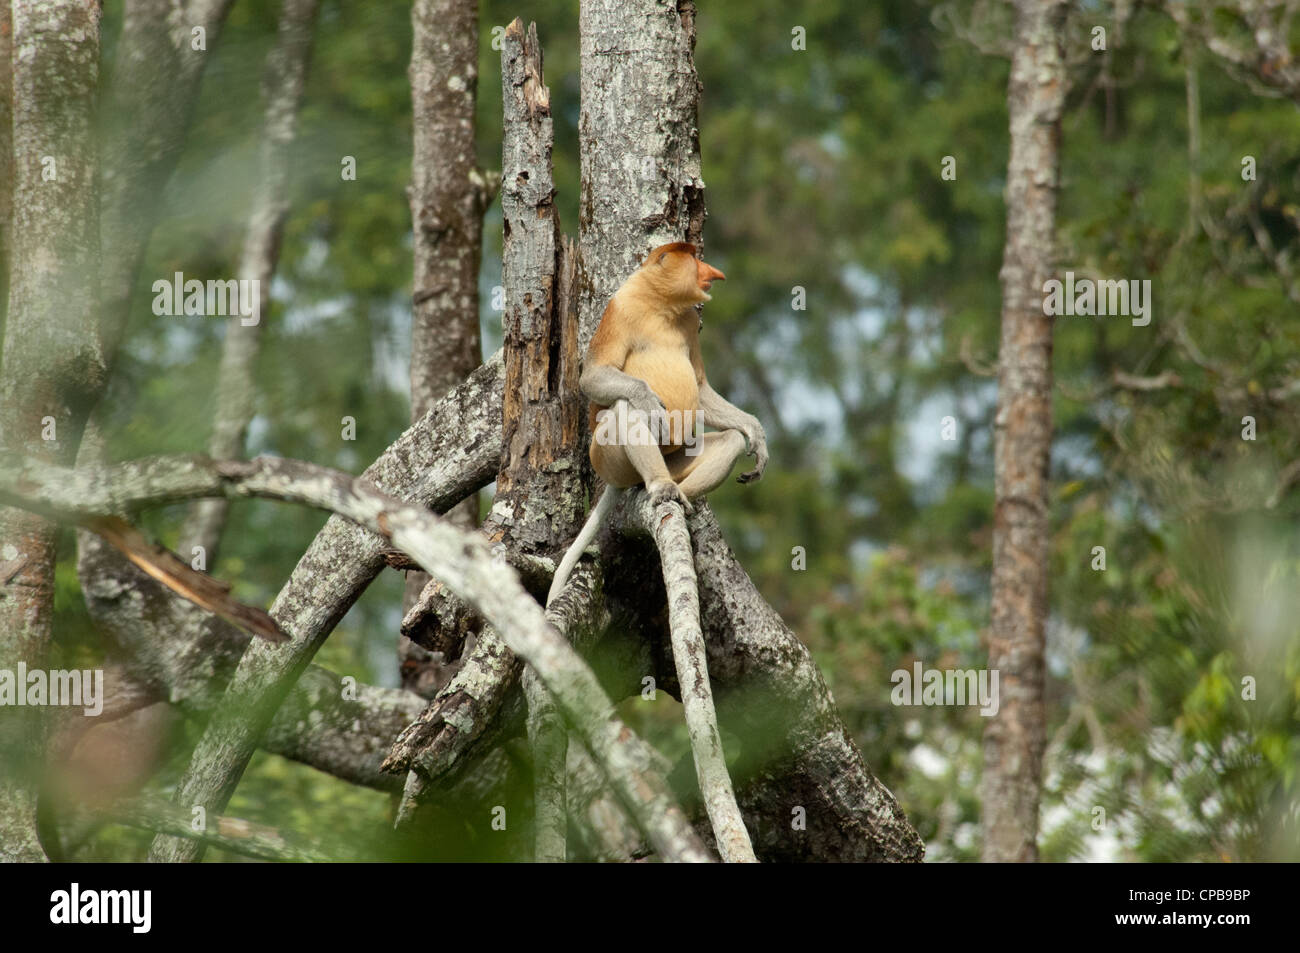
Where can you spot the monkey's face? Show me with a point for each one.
(680, 275)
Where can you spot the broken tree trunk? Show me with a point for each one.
(539, 486)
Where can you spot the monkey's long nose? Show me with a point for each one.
(708, 273)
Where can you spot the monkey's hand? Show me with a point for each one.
(755, 446)
(647, 402)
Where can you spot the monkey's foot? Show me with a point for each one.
(666, 491)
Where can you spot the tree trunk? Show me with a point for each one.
(1014, 738)
(639, 141)
(53, 363)
(448, 195)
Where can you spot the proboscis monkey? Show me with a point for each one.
(645, 377)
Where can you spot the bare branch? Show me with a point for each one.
(974, 364)
(1161, 381)
(1289, 476)
(451, 452)
(1260, 55)
(798, 753)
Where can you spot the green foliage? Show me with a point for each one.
(823, 172)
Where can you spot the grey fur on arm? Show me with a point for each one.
(606, 385)
(717, 412)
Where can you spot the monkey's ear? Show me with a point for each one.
(660, 259)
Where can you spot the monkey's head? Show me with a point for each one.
(676, 272)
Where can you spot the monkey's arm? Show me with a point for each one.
(603, 379)
(606, 385)
(719, 413)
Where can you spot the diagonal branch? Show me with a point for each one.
(170, 570)
(437, 462)
(461, 559)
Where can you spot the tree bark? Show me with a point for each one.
(1014, 739)
(796, 751)
(639, 142)
(53, 366)
(448, 196)
(539, 484)
(677, 562)
(6, 151)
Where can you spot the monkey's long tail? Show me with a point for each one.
(599, 512)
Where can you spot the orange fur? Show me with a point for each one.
(650, 330)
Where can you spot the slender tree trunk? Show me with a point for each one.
(53, 363)
(282, 87)
(1014, 739)
(448, 195)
